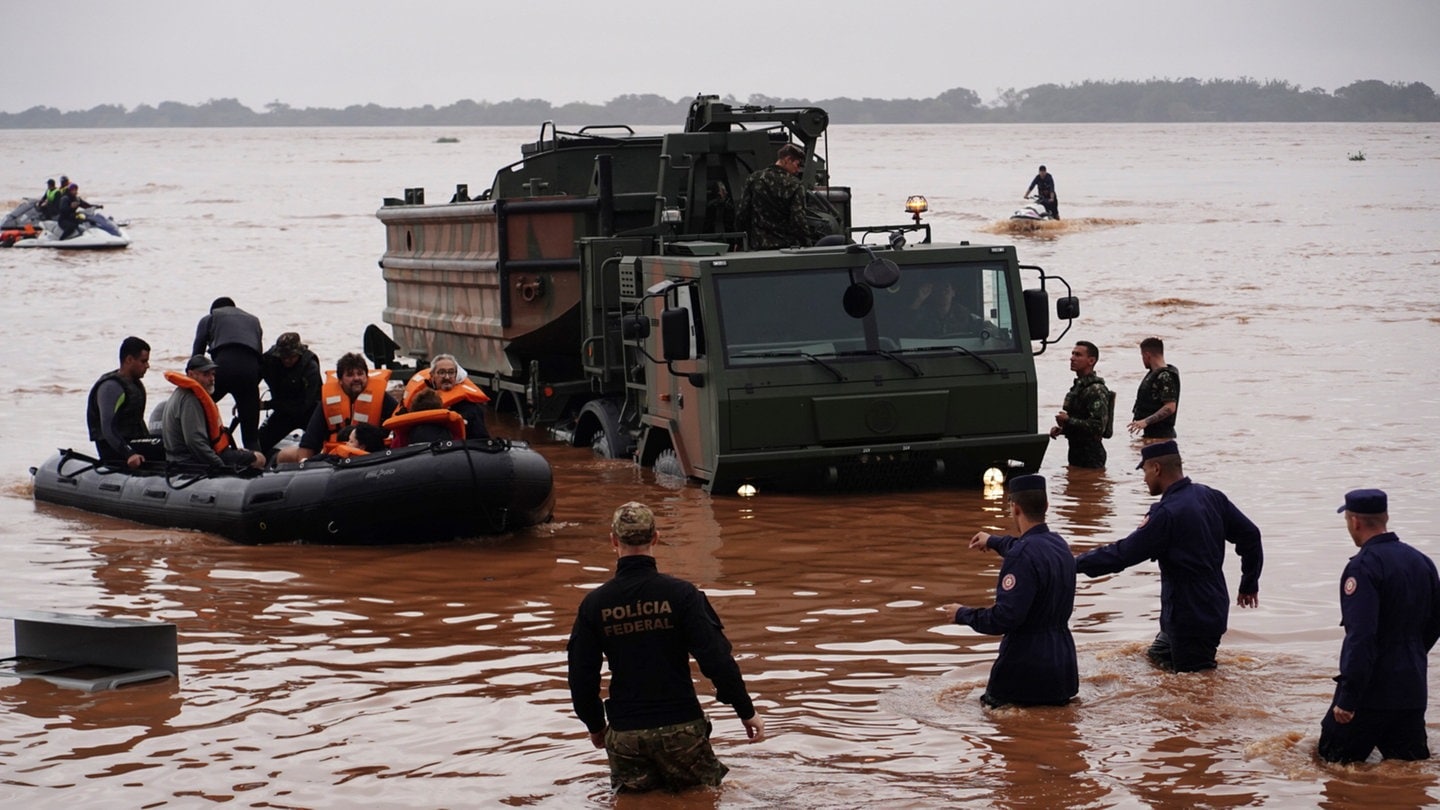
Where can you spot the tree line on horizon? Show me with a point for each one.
(1151, 101)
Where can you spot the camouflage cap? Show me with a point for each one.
(634, 524)
(289, 345)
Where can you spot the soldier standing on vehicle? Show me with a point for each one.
(647, 625)
(1085, 418)
(1044, 187)
(1158, 400)
(772, 205)
(1390, 607)
(1034, 597)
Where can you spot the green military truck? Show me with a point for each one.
(601, 288)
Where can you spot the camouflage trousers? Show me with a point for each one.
(1087, 453)
(670, 757)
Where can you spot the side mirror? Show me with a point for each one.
(858, 300)
(675, 334)
(881, 273)
(1037, 314)
(1067, 308)
(635, 326)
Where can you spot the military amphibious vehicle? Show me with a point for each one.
(601, 288)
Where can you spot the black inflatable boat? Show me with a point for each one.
(417, 494)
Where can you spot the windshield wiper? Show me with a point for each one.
(952, 347)
(808, 356)
(914, 369)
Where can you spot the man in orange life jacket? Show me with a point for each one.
(192, 428)
(352, 394)
(457, 393)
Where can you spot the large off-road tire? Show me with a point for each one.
(667, 465)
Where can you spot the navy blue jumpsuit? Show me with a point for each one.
(1034, 596)
(1390, 607)
(1185, 532)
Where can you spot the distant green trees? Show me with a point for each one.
(1155, 100)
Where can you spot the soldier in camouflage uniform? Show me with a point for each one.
(1158, 399)
(772, 205)
(647, 625)
(1085, 419)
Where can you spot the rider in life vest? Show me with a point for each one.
(457, 393)
(193, 430)
(352, 394)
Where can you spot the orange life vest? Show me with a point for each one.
(339, 411)
(214, 428)
(346, 451)
(463, 390)
(402, 424)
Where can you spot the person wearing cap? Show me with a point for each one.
(49, 203)
(194, 435)
(1034, 597)
(1390, 608)
(1185, 532)
(647, 625)
(292, 374)
(1085, 419)
(115, 410)
(235, 340)
(1158, 399)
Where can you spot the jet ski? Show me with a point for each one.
(23, 227)
(1033, 210)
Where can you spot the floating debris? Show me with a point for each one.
(448, 139)
(1357, 155)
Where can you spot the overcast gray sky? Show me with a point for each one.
(406, 53)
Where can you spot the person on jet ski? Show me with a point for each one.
(49, 204)
(1044, 187)
(70, 214)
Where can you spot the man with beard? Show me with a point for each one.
(351, 394)
(115, 411)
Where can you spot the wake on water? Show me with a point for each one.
(1054, 227)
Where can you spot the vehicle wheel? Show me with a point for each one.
(667, 466)
(600, 445)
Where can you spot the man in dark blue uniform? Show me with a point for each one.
(1034, 597)
(1390, 607)
(1185, 531)
(647, 625)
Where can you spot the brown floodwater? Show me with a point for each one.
(1296, 292)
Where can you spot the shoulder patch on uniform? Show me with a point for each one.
(1008, 582)
(1350, 586)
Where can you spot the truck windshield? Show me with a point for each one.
(770, 318)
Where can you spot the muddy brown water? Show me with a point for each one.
(1296, 292)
